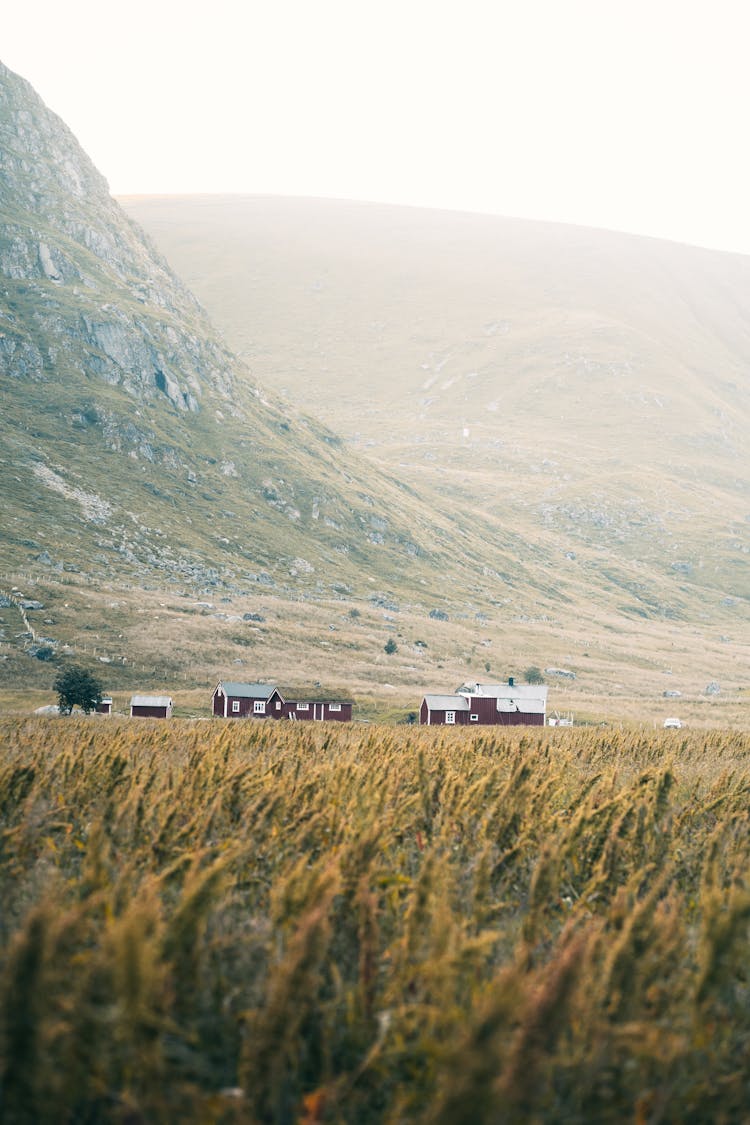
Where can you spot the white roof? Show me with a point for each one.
(507, 691)
(246, 691)
(527, 704)
(446, 703)
(150, 701)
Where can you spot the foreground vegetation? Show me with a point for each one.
(262, 923)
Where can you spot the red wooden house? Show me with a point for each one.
(502, 705)
(243, 701)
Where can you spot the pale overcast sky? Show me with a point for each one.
(628, 114)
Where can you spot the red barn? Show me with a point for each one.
(151, 706)
(502, 705)
(104, 706)
(243, 701)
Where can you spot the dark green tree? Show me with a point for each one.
(534, 675)
(76, 687)
(390, 646)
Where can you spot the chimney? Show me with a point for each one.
(510, 681)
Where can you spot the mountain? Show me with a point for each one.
(591, 383)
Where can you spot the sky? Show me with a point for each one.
(624, 114)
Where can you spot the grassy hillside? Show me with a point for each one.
(250, 922)
(589, 384)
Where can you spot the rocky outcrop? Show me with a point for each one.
(86, 292)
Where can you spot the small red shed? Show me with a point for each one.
(444, 710)
(104, 706)
(151, 706)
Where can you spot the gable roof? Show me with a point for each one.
(150, 701)
(446, 703)
(247, 691)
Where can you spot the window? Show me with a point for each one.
(278, 704)
(303, 706)
(334, 706)
(450, 717)
(474, 718)
(235, 706)
(259, 707)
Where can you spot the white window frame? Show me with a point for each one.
(278, 704)
(303, 706)
(334, 706)
(474, 718)
(259, 706)
(235, 706)
(450, 718)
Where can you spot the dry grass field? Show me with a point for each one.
(217, 922)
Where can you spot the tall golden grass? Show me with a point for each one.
(252, 922)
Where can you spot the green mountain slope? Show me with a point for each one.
(587, 384)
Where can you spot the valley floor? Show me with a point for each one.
(622, 670)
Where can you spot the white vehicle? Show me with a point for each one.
(672, 724)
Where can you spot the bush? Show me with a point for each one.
(390, 646)
(533, 675)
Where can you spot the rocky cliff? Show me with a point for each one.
(84, 291)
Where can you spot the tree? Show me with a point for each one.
(76, 687)
(390, 646)
(534, 675)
